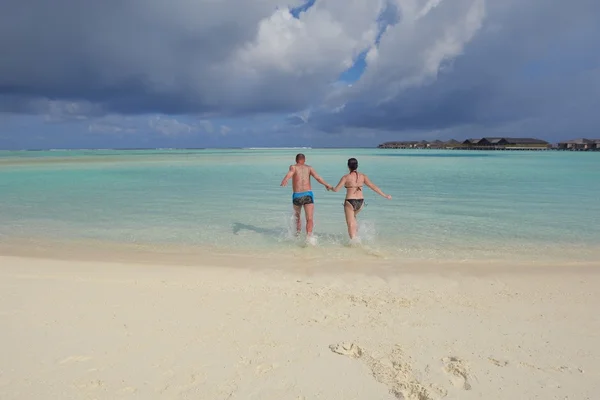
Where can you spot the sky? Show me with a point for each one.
(275, 73)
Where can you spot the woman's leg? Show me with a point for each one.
(350, 219)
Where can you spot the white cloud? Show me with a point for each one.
(115, 124)
(171, 126)
(55, 111)
(224, 129)
(412, 52)
(206, 126)
(229, 58)
(182, 56)
(104, 127)
(322, 42)
(222, 57)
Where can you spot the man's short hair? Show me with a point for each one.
(299, 157)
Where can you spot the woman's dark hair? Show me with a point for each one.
(353, 164)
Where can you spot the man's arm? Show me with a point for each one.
(341, 183)
(288, 175)
(319, 179)
(375, 188)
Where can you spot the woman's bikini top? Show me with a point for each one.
(358, 188)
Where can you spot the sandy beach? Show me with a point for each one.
(112, 330)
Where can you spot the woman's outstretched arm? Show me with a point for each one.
(340, 184)
(375, 188)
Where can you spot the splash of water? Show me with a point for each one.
(312, 240)
(365, 239)
(290, 224)
(366, 232)
(355, 242)
(292, 235)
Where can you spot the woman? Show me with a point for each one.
(353, 182)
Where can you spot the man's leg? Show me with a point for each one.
(309, 210)
(297, 210)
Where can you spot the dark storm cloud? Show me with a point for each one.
(441, 64)
(534, 63)
(130, 57)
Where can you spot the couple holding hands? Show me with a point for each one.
(302, 195)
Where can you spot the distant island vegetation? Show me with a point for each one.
(496, 143)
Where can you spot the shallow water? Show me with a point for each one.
(446, 204)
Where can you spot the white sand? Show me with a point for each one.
(98, 330)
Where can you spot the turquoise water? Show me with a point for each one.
(446, 204)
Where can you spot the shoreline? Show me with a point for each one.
(315, 259)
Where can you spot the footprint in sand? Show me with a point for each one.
(346, 349)
(458, 370)
(498, 363)
(394, 371)
(265, 368)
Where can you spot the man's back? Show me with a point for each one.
(301, 178)
(303, 197)
(300, 174)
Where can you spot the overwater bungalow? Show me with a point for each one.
(398, 145)
(486, 143)
(423, 144)
(506, 143)
(452, 144)
(580, 144)
(436, 144)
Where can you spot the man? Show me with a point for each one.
(302, 195)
